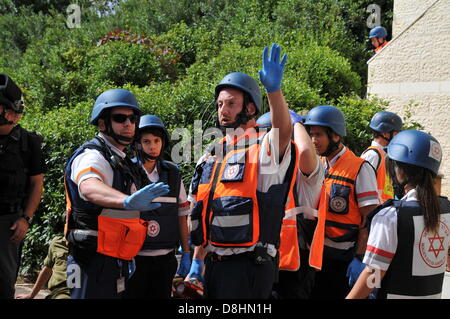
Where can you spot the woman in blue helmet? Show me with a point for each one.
(156, 263)
(407, 247)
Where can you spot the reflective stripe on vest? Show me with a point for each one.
(338, 199)
(384, 184)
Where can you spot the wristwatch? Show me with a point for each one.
(27, 218)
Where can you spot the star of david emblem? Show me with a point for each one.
(436, 251)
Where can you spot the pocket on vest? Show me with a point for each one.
(232, 220)
(339, 199)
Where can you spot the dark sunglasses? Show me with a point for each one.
(121, 118)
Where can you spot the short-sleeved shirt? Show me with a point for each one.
(183, 210)
(383, 238)
(372, 155)
(309, 187)
(91, 163)
(271, 171)
(57, 260)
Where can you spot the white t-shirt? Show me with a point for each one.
(270, 172)
(430, 250)
(183, 210)
(309, 187)
(372, 156)
(91, 163)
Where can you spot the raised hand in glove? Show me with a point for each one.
(142, 199)
(272, 70)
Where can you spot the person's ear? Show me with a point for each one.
(251, 108)
(101, 125)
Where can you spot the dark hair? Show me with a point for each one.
(422, 180)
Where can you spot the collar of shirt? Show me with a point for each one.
(377, 144)
(112, 147)
(410, 196)
(328, 164)
(153, 176)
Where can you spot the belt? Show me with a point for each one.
(259, 255)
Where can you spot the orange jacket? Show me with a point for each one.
(385, 188)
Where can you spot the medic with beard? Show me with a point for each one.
(240, 187)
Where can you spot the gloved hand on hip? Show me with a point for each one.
(354, 270)
(196, 270)
(185, 264)
(141, 200)
(272, 70)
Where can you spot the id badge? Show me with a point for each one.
(120, 285)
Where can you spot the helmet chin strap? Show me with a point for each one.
(242, 118)
(332, 146)
(3, 120)
(118, 138)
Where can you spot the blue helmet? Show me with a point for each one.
(245, 83)
(152, 121)
(328, 116)
(113, 98)
(265, 121)
(416, 148)
(385, 122)
(378, 32)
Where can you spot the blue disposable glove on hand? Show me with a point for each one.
(295, 118)
(354, 270)
(185, 264)
(272, 70)
(196, 269)
(141, 200)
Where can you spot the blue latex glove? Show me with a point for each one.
(141, 200)
(295, 118)
(196, 269)
(272, 70)
(131, 268)
(185, 264)
(354, 270)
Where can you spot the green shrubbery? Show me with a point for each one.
(189, 47)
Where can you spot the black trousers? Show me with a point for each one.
(153, 277)
(238, 277)
(331, 282)
(9, 257)
(296, 284)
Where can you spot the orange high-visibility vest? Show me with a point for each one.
(381, 46)
(227, 212)
(384, 184)
(289, 247)
(338, 199)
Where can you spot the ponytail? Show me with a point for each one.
(422, 180)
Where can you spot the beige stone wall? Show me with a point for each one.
(406, 11)
(415, 68)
